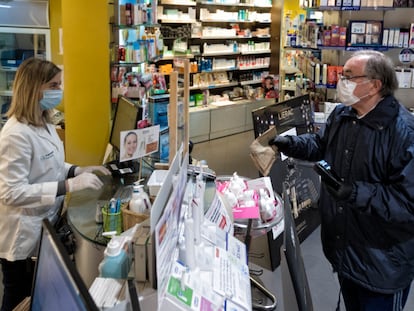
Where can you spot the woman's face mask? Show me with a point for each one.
(51, 98)
(345, 91)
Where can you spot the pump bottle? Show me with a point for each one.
(140, 202)
(116, 263)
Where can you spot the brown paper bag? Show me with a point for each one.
(263, 155)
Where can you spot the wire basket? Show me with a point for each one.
(130, 218)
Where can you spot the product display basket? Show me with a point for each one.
(130, 218)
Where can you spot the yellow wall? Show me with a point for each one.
(55, 19)
(85, 63)
(292, 6)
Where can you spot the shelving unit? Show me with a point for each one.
(247, 43)
(390, 17)
(217, 45)
(135, 42)
(18, 44)
(228, 59)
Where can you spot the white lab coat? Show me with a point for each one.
(32, 161)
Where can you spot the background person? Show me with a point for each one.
(34, 176)
(367, 224)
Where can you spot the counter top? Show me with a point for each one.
(81, 209)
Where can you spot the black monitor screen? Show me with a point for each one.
(127, 114)
(57, 285)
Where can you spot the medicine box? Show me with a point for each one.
(156, 180)
(140, 253)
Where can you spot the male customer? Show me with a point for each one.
(367, 225)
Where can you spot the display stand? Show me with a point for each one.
(193, 274)
(178, 114)
(252, 227)
(253, 281)
(293, 116)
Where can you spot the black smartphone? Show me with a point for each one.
(327, 174)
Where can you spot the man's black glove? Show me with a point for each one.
(341, 193)
(281, 142)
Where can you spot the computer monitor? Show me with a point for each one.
(57, 284)
(127, 114)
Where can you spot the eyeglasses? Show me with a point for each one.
(345, 78)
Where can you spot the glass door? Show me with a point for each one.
(16, 45)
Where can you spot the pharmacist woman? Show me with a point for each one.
(34, 176)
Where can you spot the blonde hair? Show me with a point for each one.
(30, 77)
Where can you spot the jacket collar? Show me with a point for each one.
(381, 116)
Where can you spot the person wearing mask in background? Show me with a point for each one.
(34, 176)
(367, 223)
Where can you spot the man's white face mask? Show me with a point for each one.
(345, 91)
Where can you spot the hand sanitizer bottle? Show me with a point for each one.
(140, 202)
(116, 262)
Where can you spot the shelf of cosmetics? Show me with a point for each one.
(355, 4)
(151, 48)
(357, 35)
(202, 64)
(137, 45)
(136, 12)
(169, 15)
(317, 75)
(197, 31)
(203, 98)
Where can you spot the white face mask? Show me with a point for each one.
(345, 92)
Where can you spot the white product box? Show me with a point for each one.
(404, 78)
(385, 34)
(396, 37)
(406, 37)
(391, 37)
(155, 181)
(412, 80)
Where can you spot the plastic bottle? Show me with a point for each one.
(140, 202)
(324, 74)
(116, 263)
(317, 74)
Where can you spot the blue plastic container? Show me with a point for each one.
(116, 263)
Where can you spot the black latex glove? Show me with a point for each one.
(343, 192)
(281, 142)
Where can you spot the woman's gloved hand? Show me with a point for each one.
(84, 181)
(281, 142)
(92, 169)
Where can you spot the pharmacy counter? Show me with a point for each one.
(90, 244)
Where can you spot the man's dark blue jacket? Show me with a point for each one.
(368, 237)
